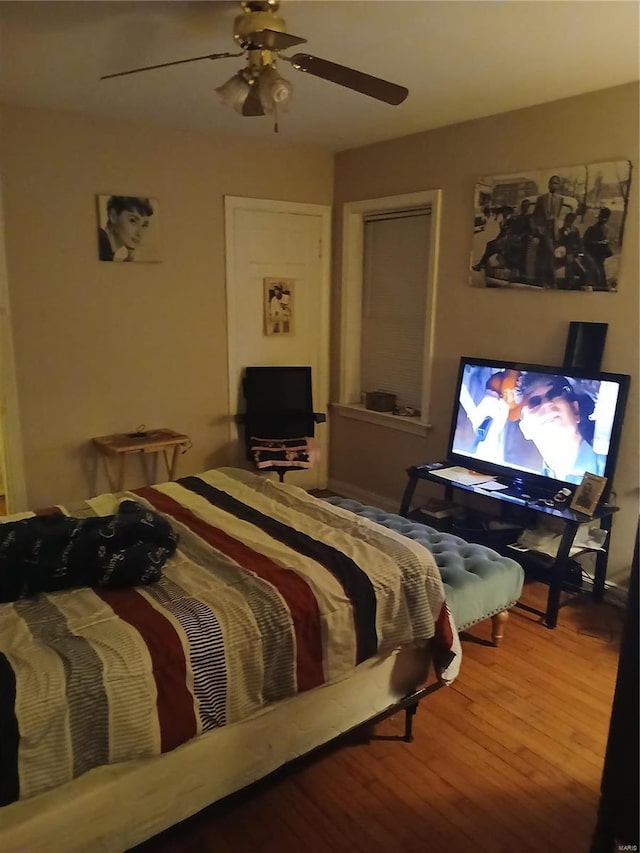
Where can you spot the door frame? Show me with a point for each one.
(12, 452)
(323, 213)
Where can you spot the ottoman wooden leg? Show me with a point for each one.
(497, 626)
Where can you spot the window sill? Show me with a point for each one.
(403, 424)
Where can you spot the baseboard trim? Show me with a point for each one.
(616, 595)
(348, 490)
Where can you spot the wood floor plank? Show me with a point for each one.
(420, 822)
(451, 800)
(309, 820)
(506, 760)
(501, 744)
(483, 758)
(343, 800)
(550, 725)
(424, 814)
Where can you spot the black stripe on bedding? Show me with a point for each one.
(267, 606)
(206, 649)
(9, 781)
(354, 581)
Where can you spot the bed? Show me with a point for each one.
(280, 622)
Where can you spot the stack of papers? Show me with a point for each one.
(545, 541)
(462, 475)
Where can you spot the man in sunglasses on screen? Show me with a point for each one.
(557, 421)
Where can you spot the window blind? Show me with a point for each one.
(395, 265)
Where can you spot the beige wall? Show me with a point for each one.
(103, 347)
(530, 326)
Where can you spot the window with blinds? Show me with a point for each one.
(394, 302)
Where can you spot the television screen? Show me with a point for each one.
(541, 423)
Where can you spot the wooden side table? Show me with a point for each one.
(120, 445)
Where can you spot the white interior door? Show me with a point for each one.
(281, 240)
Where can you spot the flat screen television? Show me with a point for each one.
(542, 427)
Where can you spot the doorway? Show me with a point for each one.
(267, 242)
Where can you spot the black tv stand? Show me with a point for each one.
(554, 571)
(523, 492)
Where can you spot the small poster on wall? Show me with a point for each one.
(560, 228)
(278, 306)
(128, 228)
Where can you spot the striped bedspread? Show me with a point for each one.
(270, 592)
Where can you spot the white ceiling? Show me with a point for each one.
(459, 59)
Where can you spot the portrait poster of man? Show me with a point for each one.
(559, 228)
(128, 228)
(278, 306)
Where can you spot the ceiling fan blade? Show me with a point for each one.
(266, 39)
(252, 105)
(374, 87)
(166, 64)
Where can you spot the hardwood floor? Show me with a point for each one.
(507, 760)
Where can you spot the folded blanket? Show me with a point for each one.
(285, 452)
(45, 553)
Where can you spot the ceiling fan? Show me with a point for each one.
(258, 88)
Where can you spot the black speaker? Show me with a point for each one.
(585, 346)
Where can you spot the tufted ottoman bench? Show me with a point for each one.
(479, 583)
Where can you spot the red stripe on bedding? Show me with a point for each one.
(442, 641)
(176, 714)
(443, 630)
(295, 591)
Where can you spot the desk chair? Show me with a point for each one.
(279, 419)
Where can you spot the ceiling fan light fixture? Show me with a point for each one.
(274, 91)
(234, 92)
(258, 88)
